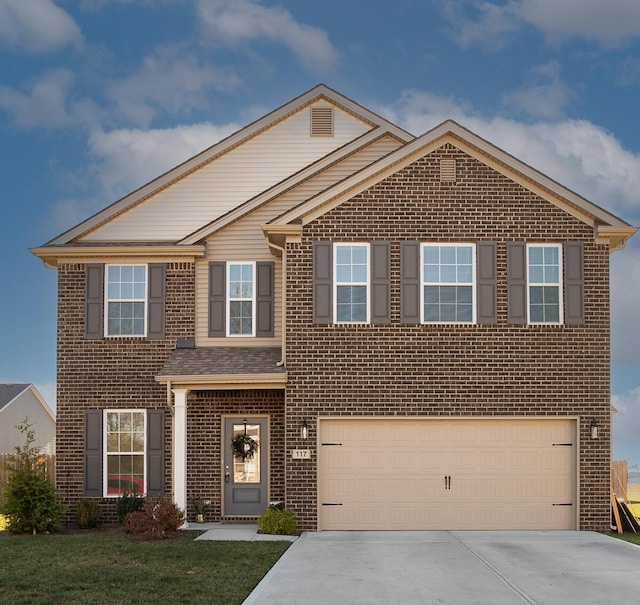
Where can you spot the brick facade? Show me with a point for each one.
(463, 370)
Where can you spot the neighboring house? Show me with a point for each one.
(20, 401)
(413, 331)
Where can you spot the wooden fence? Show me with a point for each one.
(50, 465)
(619, 478)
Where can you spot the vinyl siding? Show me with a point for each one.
(231, 179)
(243, 240)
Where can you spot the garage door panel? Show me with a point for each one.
(392, 474)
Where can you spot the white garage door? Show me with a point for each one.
(417, 474)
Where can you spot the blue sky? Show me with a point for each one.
(98, 97)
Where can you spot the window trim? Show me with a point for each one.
(335, 284)
(559, 285)
(228, 298)
(105, 453)
(107, 300)
(473, 284)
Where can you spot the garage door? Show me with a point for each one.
(417, 474)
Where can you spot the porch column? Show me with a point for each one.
(180, 448)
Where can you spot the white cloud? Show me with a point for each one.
(170, 81)
(235, 22)
(545, 96)
(36, 26)
(488, 24)
(44, 105)
(125, 159)
(626, 426)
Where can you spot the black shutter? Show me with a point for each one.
(574, 283)
(217, 302)
(380, 283)
(265, 286)
(155, 452)
(487, 289)
(410, 282)
(94, 301)
(517, 282)
(155, 321)
(93, 453)
(322, 282)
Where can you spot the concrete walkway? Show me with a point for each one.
(247, 533)
(492, 568)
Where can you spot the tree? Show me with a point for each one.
(30, 501)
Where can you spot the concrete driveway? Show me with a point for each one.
(471, 568)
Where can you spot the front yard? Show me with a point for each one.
(113, 568)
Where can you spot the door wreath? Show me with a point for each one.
(244, 446)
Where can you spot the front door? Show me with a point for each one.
(245, 466)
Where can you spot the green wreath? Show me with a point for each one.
(244, 446)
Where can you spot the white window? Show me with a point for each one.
(351, 283)
(124, 452)
(126, 300)
(448, 283)
(544, 283)
(241, 304)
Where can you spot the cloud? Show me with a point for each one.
(544, 97)
(125, 159)
(626, 426)
(36, 26)
(168, 81)
(234, 23)
(44, 105)
(489, 24)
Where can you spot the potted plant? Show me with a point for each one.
(199, 506)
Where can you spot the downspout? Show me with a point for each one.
(283, 251)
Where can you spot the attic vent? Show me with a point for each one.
(447, 171)
(322, 121)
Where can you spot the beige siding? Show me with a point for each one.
(244, 240)
(230, 180)
(27, 405)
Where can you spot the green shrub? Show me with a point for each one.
(87, 513)
(155, 520)
(30, 502)
(128, 503)
(277, 521)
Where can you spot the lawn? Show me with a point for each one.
(114, 568)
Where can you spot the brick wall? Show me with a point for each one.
(430, 370)
(112, 372)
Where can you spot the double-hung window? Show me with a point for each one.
(351, 283)
(448, 283)
(126, 300)
(544, 283)
(241, 303)
(125, 458)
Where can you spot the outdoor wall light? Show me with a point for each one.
(594, 428)
(304, 430)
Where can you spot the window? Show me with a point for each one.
(448, 286)
(544, 285)
(124, 466)
(241, 301)
(125, 303)
(351, 294)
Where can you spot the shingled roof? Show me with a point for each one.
(9, 391)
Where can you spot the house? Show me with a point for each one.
(381, 331)
(17, 402)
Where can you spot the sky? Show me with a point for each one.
(98, 97)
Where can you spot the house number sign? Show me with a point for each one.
(301, 454)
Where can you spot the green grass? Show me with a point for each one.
(101, 568)
(628, 536)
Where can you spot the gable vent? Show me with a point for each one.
(322, 121)
(447, 171)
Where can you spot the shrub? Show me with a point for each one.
(30, 502)
(87, 513)
(277, 521)
(155, 520)
(128, 503)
